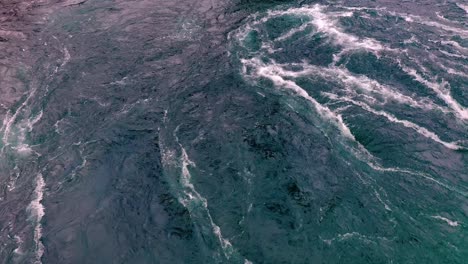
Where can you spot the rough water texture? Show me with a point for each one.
(235, 131)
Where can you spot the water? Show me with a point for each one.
(234, 132)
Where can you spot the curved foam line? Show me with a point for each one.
(448, 221)
(271, 72)
(398, 170)
(441, 91)
(362, 82)
(421, 130)
(324, 23)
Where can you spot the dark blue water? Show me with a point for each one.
(235, 132)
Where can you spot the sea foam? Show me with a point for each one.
(36, 213)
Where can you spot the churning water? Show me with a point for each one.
(238, 132)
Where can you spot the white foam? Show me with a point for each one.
(192, 196)
(122, 81)
(421, 20)
(378, 167)
(453, 71)
(371, 86)
(450, 54)
(10, 119)
(421, 130)
(377, 195)
(355, 8)
(13, 178)
(293, 31)
(373, 91)
(353, 235)
(19, 242)
(441, 17)
(322, 21)
(455, 45)
(463, 6)
(442, 91)
(191, 199)
(361, 82)
(57, 124)
(37, 212)
(325, 23)
(274, 73)
(23, 128)
(66, 57)
(448, 221)
(24, 149)
(413, 39)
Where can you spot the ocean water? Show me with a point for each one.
(239, 131)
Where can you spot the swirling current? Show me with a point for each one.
(234, 131)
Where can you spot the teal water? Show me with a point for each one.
(240, 132)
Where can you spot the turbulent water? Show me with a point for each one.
(244, 132)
